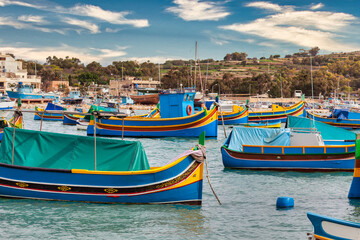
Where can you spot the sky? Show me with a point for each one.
(158, 30)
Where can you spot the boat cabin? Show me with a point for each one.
(177, 103)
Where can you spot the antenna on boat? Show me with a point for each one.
(195, 65)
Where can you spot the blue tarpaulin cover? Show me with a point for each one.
(257, 136)
(51, 106)
(327, 131)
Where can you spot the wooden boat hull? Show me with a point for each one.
(278, 115)
(234, 118)
(325, 158)
(342, 123)
(191, 126)
(145, 99)
(179, 182)
(327, 228)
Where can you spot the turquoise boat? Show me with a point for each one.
(117, 172)
(176, 120)
(305, 145)
(48, 116)
(327, 228)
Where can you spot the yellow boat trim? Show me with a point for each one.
(151, 170)
(293, 107)
(322, 238)
(196, 176)
(357, 172)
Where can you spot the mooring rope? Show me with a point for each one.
(202, 149)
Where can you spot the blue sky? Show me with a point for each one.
(157, 30)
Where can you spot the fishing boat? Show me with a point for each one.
(238, 115)
(72, 119)
(342, 118)
(26, 92)
(16, 120)
(354, 191)
(328, 228)
(115, 171)
(145, 99)
(277, 113)
(49, 116)
(5, 104)
(305, 145)
(177, 120)
(74, 98)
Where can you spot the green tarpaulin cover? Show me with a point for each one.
(63, 151)
(100, 109)
(327, 131)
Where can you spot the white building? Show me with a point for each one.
(11, 73)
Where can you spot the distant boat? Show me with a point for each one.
(145, 99)
(271, 124)
(277, 113)
(5, 104)
(74, 98)
(177, 120)
(342, 118)
(49, 116)
(237, 115)
(26, 92)
(327, 228)
(299, 147)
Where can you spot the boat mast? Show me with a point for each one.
(195, 64)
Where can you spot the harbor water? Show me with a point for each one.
(248, 209)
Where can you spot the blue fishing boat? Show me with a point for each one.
(342, 118)
(272, 124)
(177, 120)
(305, 145)
(277, 113)
(117, 172)
(74, 98)
(238, 115)
(327, 228)
(48, 116)
(26, 92)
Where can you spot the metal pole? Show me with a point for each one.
(281, 86)
(95, 141)
(122, 133)
(13, 146)
(42, 116)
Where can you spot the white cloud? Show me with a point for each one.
(194, 10)
(265, 5)
(93, 28)
(4, 3)
(317, 6)
(118, 18)
(303, 28)
(32, 18)
(111, 30)
(153, 59)
(109, 16)
(7, 21)
(85, 55)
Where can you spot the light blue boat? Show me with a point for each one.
(26, 92)
(300, 147)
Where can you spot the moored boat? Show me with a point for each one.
(49, 116)
(277, 113)
(117, 172)
(238, 115)
(300, 147)
(342, 118)
(145, 99)
(328, 228)
(26, 92)
(272, 124)
(177, 120)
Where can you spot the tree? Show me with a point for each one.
(314, 51)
